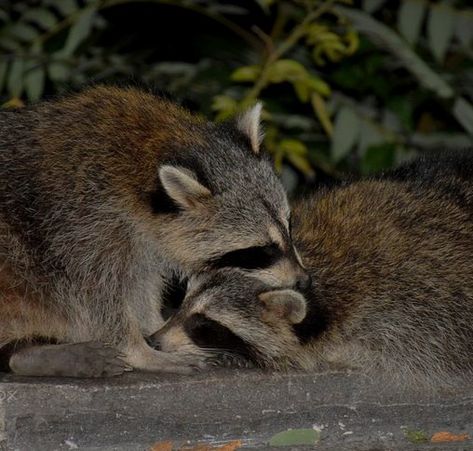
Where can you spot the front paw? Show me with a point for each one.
(152, 360)
(94, 359)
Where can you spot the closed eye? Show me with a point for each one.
(207, 333)
(256, 257)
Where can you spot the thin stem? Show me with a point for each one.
(297, 33)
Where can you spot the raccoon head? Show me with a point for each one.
(222, 206)
(231, 318)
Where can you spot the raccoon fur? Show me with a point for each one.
(105, 194)
(391, 261)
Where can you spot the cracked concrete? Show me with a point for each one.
(137, 410)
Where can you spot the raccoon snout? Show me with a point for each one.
(304, 282)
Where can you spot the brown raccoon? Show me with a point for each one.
(104, 195)
(391, 261)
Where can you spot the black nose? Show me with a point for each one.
(304, 282)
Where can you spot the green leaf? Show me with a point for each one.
(440, 28)
(302, 90)
(319, 86)
(34, 82)
(370, 6)
(386, 39)
(246, 73)
(23, 32)
(286, 70)
(10, 43)
(410, 18)
(43, 17)
(265, 4)
(416, 436)
(4, 16)
(225, 105)
(370, 135)
(226, 9)
(301, 163)
(65, 7)
(296, 152)
(320, 109)
(464, 28)
(294, 437)
(293, 146)
(15, 78)
(79, 31)
(346, 133)
(463, 112)
(58, 71)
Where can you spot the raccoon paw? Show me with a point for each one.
(96, 359)
(152, 360)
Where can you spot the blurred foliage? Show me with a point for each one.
(346, 86)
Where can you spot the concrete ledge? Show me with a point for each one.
(138, 410)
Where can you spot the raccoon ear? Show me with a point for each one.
(249, 124)
(182, 186)
(287, 304)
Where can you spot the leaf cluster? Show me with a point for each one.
(357, 87)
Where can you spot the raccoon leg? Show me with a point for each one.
(23, 316)
(139, 355)
(91, 359)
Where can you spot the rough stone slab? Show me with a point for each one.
(137, 410)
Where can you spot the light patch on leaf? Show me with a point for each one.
(294, 437)
(370, 6)
(410, 18)
(345, 134)
(79, 31)
(416, 436)
(440, 28)
(246, 73)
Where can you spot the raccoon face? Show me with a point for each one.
(233, 319)
(230, 210)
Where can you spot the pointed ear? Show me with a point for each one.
(182, 186)
(285, 304)
(249, 124)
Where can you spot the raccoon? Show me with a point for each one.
(103, 196)
(391, 260)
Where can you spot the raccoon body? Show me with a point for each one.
(391, 261)
(105, 194)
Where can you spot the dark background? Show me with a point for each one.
(363, 86)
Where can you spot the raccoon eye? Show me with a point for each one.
(207, 333)
(256, 257)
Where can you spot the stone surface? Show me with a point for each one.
(136, 411)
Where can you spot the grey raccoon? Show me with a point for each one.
(391, 261)
(103, 195)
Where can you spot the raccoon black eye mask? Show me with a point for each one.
(256, 257)
(159, 192)
(391, 260)
(209, 334)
